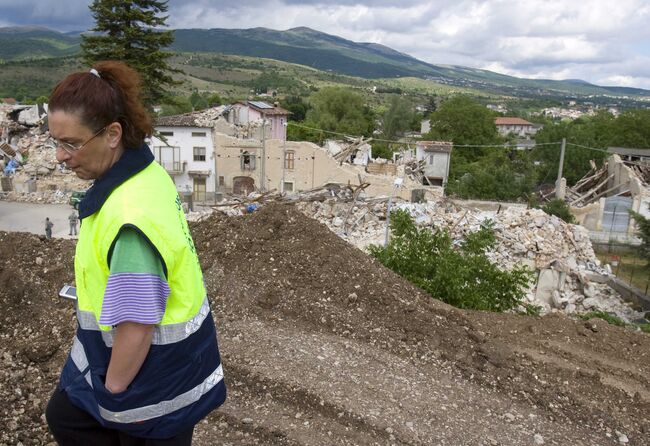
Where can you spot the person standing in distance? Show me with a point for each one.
(48, 228)
(74, 219)
(144, 366)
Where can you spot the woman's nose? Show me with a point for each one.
(62, 155)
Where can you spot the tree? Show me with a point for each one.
(395, 120)
(340, 110)
(500, 174)
(643, 224)
(198, 101)
(214, 99)
(464, 121)
(431, 104)
(633, 129)
(127, 30)
(296, 106)
(585, 131)
(176, 106)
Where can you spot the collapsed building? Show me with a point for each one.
(602, 199)
(30, 171)
(210, 154)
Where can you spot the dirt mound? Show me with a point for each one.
(323, 345)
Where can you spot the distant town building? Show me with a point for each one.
(500, 108)
(514, 126)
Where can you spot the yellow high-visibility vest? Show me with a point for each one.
(163, 225)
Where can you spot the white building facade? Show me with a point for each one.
(187, 154)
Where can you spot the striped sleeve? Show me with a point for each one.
(137, 290)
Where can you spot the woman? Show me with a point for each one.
(144, 365)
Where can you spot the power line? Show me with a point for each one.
(588, 148)
(499, 146)
(412, 140)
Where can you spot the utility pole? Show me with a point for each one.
(284, 157)
(263, 160)
(559, 172)
(216, 175)
(396, 185)
(560, 186)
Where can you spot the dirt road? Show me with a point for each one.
(322, 345)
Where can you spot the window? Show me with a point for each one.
(166, 133)
(198, 134)
(222, 180)
(247, 161)
(287, 186)
(199, 153)
(289, 158)
(169, 158)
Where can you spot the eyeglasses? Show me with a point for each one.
(70, 148)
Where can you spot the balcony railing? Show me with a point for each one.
(173, 167)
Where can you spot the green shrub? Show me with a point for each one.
(532, 310)
(461, 276)
(560, 209)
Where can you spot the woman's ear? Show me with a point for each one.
(114, 135)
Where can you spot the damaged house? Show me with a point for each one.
(34, 174)
(208, 154)
(602, 199)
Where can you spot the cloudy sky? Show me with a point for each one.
(601, 41)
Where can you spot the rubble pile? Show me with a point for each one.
(38, 177)
(209, 115)
(569, 277)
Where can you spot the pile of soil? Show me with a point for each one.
(323, 345)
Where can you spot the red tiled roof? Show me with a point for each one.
(511, 121)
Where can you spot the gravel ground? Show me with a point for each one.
(322, 345)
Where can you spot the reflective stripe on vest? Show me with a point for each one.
(145, 413)
(162, 335)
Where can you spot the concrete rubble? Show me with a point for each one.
(38, 177)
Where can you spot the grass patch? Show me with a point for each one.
(631, 269)
(614, 320)
(610, 319)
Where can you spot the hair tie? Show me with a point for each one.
(95, 72)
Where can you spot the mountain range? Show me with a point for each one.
(315, 49)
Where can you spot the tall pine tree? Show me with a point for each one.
(128, 31)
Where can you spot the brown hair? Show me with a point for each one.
(113, 96)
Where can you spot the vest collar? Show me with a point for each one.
(131, 162)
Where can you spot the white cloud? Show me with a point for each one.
(597, 40)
